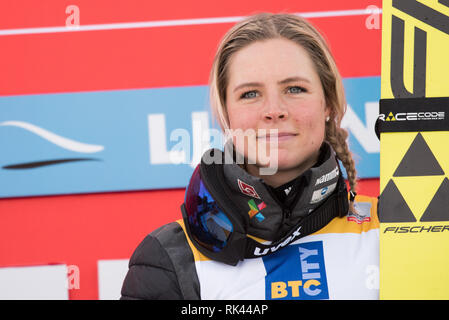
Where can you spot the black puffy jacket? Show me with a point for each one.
(162, 268)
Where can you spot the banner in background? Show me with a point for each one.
(135, 139)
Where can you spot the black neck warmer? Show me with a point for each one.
(282, 210)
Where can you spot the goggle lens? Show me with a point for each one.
(208, 224)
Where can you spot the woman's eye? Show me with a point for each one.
(297, 89)
(253, 93)
(248, 95)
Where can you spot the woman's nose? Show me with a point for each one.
(275, 112)
(274, 115)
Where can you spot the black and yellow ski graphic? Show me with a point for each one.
(414, 150)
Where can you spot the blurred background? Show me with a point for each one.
(103, 106)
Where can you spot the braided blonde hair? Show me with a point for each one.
(265, 26)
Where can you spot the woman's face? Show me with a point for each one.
(273, 85)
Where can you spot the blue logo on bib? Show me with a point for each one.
(296, 272)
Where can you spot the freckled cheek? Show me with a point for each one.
(310, 126)
(303, 123)
(242, 120)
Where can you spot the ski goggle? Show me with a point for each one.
(208, 224)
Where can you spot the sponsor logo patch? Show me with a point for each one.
(255, 209)
(363, 212)
(322, 193)
(328, 176)
(297, 272)
(247, 189)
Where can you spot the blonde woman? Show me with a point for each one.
(247, 232)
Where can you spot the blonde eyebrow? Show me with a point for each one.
(258, 84)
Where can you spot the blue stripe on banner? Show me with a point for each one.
(362, 95)
(131, 139)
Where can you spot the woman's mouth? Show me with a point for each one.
(280, 137)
